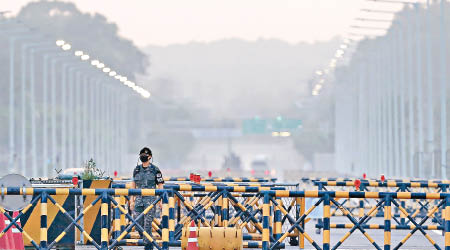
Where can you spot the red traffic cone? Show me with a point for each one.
(357, 184)
(16, 234)
(5, 240)
(192, 240)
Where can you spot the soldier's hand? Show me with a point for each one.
(131, 205)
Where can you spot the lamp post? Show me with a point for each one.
(364, 114)
(429, 80)
(49, 59)
(24, 79)
(419, 105)
(443, 89)
(45, 51)
(12, 112)
(418, 87)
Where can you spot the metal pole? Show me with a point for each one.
(64, 111)
(443, 90)
(70, 119)
(97, 115)
(430, 110)
(411, 146)
(84, 118)
(77, 109)
(389, 120)
(53, 112)
(91, 107)
(12, 118)
(125, 128)
(379, 123)
(383, 111)
(401, 70)
(33, 115)
(109, 130)
(104, 127)
(115, 133)
(372, 150)
(44, 113)
(23, 105)
(395, 95)
(361, 113)
(12, 147)
(118, 114)
(354, 124)
(419, 108)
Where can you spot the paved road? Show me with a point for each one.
(357, 240)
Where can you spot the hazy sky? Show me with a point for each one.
(162, 22)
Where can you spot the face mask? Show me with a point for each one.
(143, 158)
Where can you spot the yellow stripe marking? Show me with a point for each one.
(43, 235)
(60, 237)
(404, 195)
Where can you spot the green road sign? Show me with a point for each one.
(262, 126)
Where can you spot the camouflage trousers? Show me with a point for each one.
(146, 220)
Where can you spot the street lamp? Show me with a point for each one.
(84, 57)
(94, 62)
(60, 43)
(66, 47)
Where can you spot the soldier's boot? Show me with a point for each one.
(149, 247)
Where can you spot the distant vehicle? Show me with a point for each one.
(68, 173)
(260, 167)
(232, 162)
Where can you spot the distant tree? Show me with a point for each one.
(312, 141)
(90, 32)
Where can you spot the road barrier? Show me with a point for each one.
(267, 215)
(169, 233)
(401, 186)
(385, 200)
(416, 208)
(214, 179)
(226, 179)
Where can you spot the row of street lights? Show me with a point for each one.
(322, 75)
(64, 106)
(96, 63)
(385, 110)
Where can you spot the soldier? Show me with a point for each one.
(145, 175)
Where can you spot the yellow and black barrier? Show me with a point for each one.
(386, 200)
(92, 218)
(232, 206)
(56, 220)
(214, 179)
(416, 208)
(226, 179)
(263, 214)
(310, 180)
